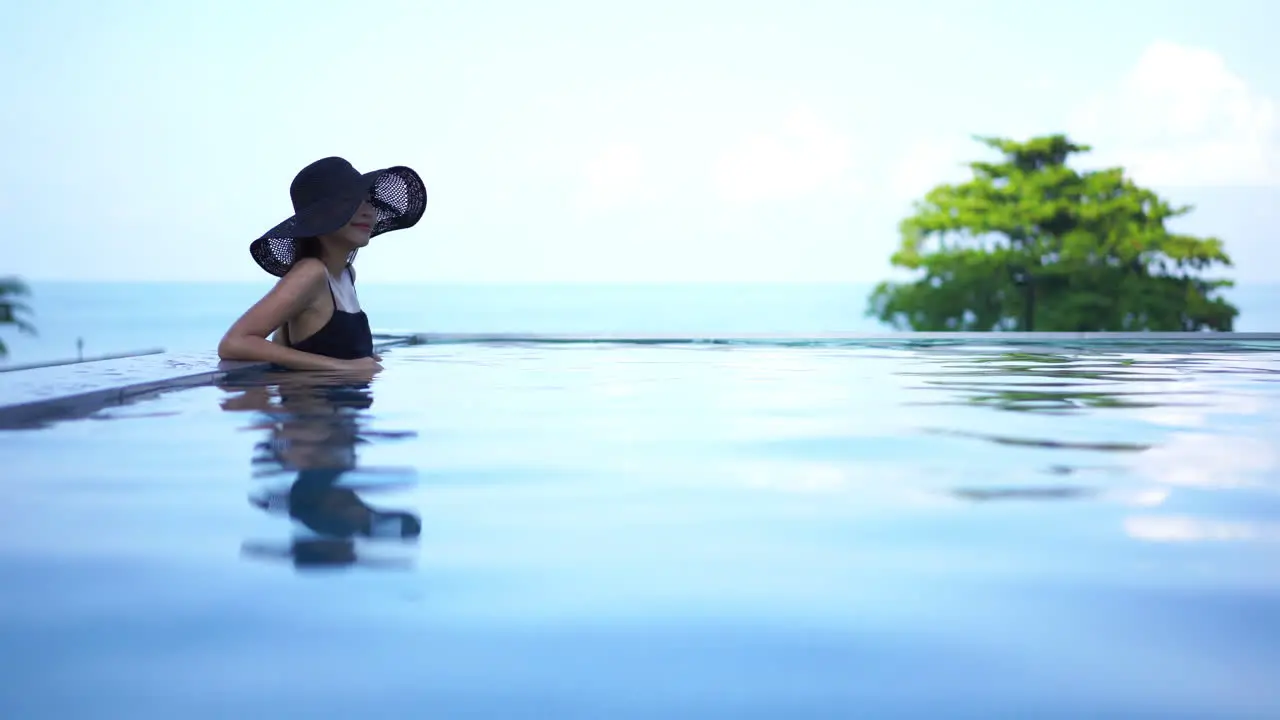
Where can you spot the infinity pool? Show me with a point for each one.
(623, 530)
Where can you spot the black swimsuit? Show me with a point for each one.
(346, 336)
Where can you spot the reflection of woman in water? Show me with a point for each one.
(314, 430)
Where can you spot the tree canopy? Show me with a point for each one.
(11, 308)
(1031, 244)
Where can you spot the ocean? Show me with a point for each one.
(191, 317)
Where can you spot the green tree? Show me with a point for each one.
(11, 308)
(1031, 244)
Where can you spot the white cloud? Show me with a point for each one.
(1191, 529)
(613, 177)
(806, 155)
(1209, 460)
(931, 162)
(1181, 117)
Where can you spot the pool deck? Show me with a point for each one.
(31, 397)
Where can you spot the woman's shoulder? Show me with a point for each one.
(306, 277)
(306, 271)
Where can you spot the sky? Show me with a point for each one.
(608, 141)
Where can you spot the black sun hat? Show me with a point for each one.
(326, 194)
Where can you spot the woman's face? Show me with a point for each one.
(355, 234)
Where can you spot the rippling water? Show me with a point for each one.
(828, 530)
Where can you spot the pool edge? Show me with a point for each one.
(1004, 338)
(73, 391)
(76, 391)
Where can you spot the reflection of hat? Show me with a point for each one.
(341, 522)
(316, 502)
(326, 194)
(315, 553)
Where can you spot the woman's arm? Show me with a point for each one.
(247, 337)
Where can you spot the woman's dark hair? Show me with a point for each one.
(308, 247)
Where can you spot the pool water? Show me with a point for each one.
(629, 530)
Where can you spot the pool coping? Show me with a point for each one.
(1002, 338)
(33, 397)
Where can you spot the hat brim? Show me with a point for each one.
(399, 199)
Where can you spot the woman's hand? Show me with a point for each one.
(360, 365)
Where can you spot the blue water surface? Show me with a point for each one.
(613, 530)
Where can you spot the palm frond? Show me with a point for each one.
(13, 287)
(10, 308)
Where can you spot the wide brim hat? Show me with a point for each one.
(326, 194)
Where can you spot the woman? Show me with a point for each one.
(313, 309)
